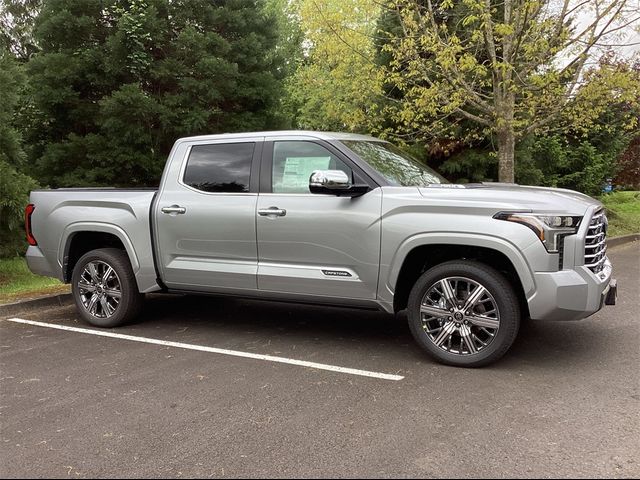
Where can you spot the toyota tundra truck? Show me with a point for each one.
(330, 218)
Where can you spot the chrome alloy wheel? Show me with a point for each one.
(459, 315)
(100, 290)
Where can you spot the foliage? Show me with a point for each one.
(16, 281)
(572, 157)
(573, 160)
(508, 68)
(603, 101)
(16, 26)
(553, 161)
(470, 165)
(623, 211)
(14, 186)
(11, 81)
(14, 196)
(290, 35)
(289, 49)
(117, 81)
(337, 82)
(629, 166)
(578, 158)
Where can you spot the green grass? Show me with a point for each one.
(16, 281)
(623, 211)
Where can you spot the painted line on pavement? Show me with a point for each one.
(221, 351)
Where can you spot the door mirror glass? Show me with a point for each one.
(322, 180)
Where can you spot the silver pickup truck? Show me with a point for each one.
(330, 218)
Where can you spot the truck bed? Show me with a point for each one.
(124, 213)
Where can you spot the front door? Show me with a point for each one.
(315, 244)
(205, 218)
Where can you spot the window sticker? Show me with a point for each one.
(297, 171)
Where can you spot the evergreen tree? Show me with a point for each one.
(117, 81)
(14, 186)
(16, 26)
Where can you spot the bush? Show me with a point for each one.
(14, 196)
(628, 176)
(471, 165)
(556, 161)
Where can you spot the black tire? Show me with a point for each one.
(130, 301)
(497, 286)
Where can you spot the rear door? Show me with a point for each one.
(205, 226)
(309, 243)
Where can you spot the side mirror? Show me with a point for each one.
(335, 182)
(328, 180)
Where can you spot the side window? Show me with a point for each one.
(295, 161)
(220, 167)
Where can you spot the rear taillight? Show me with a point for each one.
(27, 224)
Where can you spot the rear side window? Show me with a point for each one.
(221, 167)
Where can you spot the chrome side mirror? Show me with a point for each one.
(328, 180)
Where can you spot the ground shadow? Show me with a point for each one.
(541, 343)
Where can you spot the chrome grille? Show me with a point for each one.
(595, 247)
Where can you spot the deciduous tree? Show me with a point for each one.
(337, 82)
(508, 67)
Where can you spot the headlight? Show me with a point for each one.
(550, 229)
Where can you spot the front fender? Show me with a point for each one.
(516, 256)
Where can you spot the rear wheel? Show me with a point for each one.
(104, 288)
(464, 313)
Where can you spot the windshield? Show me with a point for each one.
(396, 166)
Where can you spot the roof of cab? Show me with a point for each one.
(282, 133)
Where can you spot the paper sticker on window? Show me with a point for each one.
(297, 171)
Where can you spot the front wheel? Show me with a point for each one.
(104, 288)
(464, 313)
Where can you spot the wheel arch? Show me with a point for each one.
(417, 256)
(80, 238)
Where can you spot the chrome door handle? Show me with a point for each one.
(272, 212)
(174, 209)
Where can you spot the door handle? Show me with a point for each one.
(272, 212)
(174, 209)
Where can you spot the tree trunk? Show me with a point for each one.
(506, 154)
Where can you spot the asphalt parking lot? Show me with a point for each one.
(565, 401)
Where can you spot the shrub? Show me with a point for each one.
(14, 196)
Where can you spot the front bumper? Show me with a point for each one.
(571, 294)
(610, 296)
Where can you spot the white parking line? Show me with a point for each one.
(221, 351)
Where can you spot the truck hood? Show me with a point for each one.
(512, 197)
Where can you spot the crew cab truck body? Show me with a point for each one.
(330, 218)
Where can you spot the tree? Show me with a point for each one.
(14, 186)
(572, 155)
(629, 166)
(17, 18)
(11, 82)
(510, 68)
(588, 151)
(337, 82)
(117, 81)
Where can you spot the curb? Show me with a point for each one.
(63, 299)
(624, 239)
(55, 300)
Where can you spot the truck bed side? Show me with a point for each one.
(68, 222)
